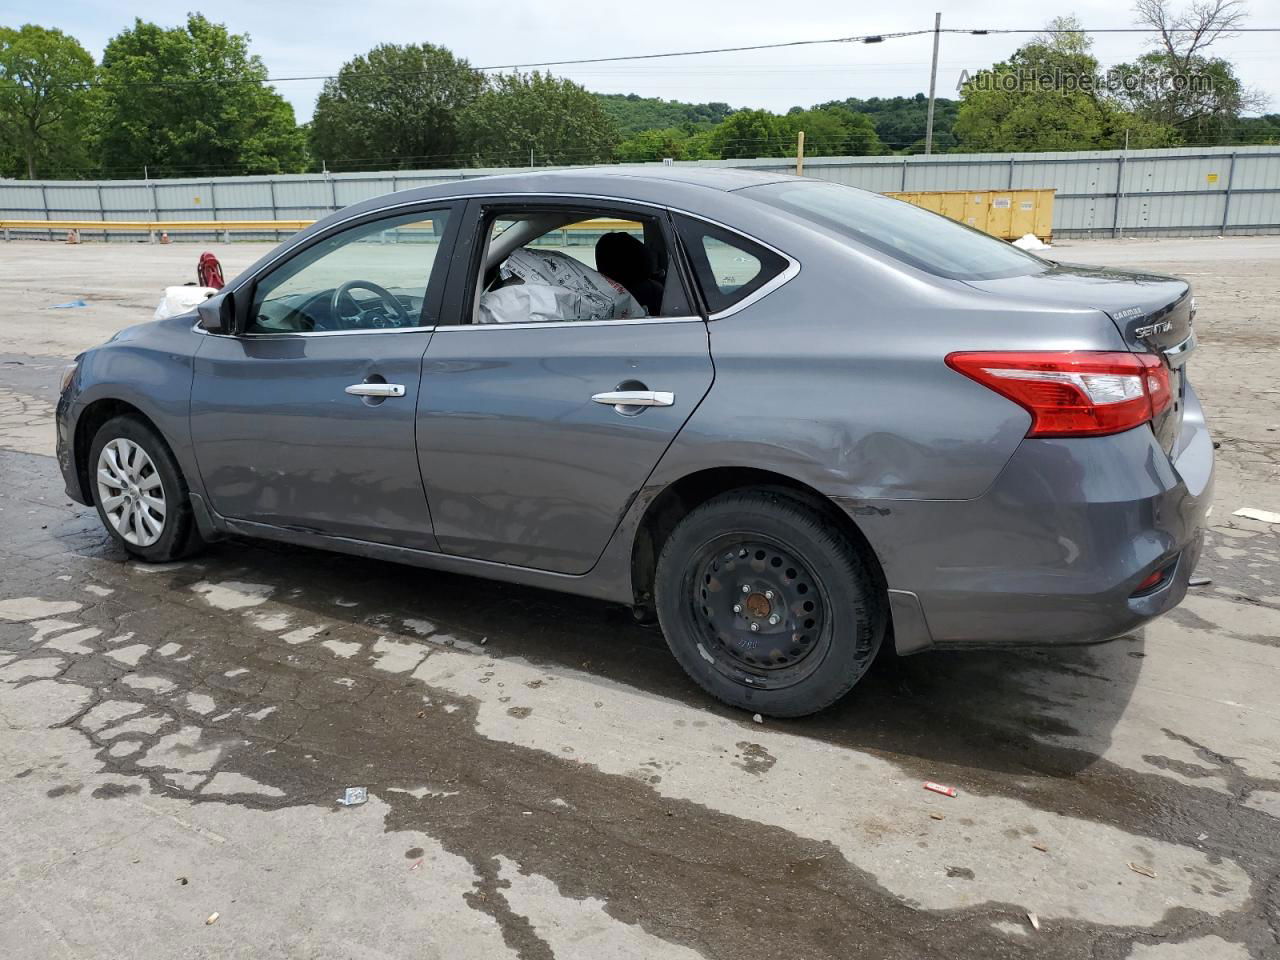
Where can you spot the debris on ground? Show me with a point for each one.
(416, 865)
(182, 881)
(354, 796)
(67, 306)
(1253, 513)
(1040, 846)
(757, 718)
(936, 816)
(211, 919)
(941, 788)
(1139, 868)
(1034, 921)
(1199, 582)
(1029, 241)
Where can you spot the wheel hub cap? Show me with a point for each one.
(131, 492)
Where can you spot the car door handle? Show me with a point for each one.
(636, 398)
(376, 390)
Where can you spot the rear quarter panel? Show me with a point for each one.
(837, 379)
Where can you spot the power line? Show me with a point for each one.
(582, 61)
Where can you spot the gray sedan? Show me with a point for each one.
(792, 420)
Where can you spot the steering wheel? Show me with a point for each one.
(393, 308)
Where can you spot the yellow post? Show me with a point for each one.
(800, 154)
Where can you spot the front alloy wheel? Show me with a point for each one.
(131, 492)
(140, 492)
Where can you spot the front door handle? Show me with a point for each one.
(636, 398)
(376, 390)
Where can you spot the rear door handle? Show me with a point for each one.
(636, 398)
(376, 390)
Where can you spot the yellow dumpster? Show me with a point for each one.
(1007, 214)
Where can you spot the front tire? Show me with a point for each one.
(767, 605)
(141, 495)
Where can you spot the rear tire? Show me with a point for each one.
(141, 495)
(770, 559)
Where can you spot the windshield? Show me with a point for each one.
(922, 239)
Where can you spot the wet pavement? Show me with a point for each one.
(544, 782)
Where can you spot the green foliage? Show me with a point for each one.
(1204, 112)
(191, 99)
(835, 132)
(635, 114)
(395, 107)
(1035, 101)
(900, 122)
(1260, 130)
(44, 101)
(557, 119)
(753, 133)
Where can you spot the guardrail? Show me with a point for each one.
(153, 227)
(227, 227)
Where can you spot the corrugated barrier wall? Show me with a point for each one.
(1176, 192)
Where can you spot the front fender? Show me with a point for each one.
(149, 368)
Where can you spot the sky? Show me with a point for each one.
(295, 37)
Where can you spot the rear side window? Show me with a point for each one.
(922, 239)
(728, 267)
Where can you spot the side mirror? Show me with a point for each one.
(218, 313)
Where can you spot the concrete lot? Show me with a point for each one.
(543, 780)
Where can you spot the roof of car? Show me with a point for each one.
(575, 178)
(717, 178)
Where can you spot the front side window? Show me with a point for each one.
(925, 240)
(548, 265)
(370, 277)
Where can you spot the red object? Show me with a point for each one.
(209, 271)
(940, 788)
(1074, 393)
(1152, 581)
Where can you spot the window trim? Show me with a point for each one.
(698, 260)
(481, 213)
(461, 202)
(433, 295)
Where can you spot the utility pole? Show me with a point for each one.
(933, 84)
(800, 154)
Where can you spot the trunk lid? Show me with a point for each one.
(1152, 312)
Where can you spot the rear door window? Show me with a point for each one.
(728, 266)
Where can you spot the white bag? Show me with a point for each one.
(179, 300)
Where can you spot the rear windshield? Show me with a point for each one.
(922, 239)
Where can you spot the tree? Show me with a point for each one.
(1180, 85)
(835, 132)
(900, 121)
(753, 133)
(1048, 97)
(394, 107)
(554, 119)
(635, 114)
(192, 100)
(44, 97)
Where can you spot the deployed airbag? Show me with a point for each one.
(544, 286)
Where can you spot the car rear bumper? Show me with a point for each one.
(1056, 550)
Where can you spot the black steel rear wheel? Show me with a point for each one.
(767, 605)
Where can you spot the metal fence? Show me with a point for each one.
(1177, 192)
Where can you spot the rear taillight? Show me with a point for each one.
(1074, 393)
